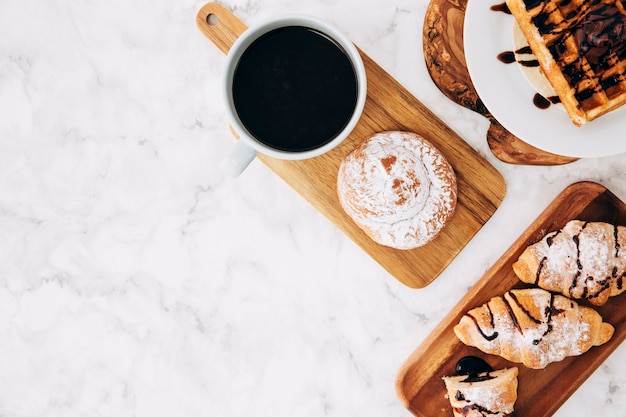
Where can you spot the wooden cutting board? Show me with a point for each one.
(540, 391)
(389, 106)
(445, 60)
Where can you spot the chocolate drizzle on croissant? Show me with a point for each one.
(583, 260)
(533, 326)
(494, 334)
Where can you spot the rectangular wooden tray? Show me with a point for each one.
(540, 392)
(389, 106)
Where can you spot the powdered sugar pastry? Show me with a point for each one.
(398, 188)
(534, 327)
(583, 260)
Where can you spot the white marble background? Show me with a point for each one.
(135, 280)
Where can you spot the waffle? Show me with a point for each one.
(581, 48)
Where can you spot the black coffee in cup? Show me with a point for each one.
(294, 89)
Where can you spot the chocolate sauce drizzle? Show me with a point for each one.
(475, 368)
(576, 239)
(512, 315)
(603, 283)
(545, 102)
(619, 280)
(551, 237)
(509, 57)
(540, 268)
(598, 30)
(480, 330)
(521, 307)
(549, 312)
(501, 7)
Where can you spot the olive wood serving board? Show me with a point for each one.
(540, 392)
(445, 59)
(388, 106)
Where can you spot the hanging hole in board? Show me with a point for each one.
(211, 19)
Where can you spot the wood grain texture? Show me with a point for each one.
(540, 392)
(389, 106)
(445, 60)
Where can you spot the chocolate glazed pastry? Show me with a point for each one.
(445, 60)
(478, 390)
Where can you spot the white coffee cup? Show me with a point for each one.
(249, 143)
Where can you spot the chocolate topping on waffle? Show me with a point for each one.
(601, 32)
(581, 48)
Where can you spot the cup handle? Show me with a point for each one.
(238, 159)
(220, 25)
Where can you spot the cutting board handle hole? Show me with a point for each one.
(211, 19)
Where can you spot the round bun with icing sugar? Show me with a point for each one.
(398, 188)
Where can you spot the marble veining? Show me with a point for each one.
(136, 280)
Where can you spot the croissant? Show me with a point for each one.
(584, 260)
(533, 327)
(491, 393)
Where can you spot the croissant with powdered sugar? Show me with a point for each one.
(533, 327)
(584, 260)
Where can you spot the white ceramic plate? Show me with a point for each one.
(509, 96)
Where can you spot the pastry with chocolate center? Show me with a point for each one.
(482, 393)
